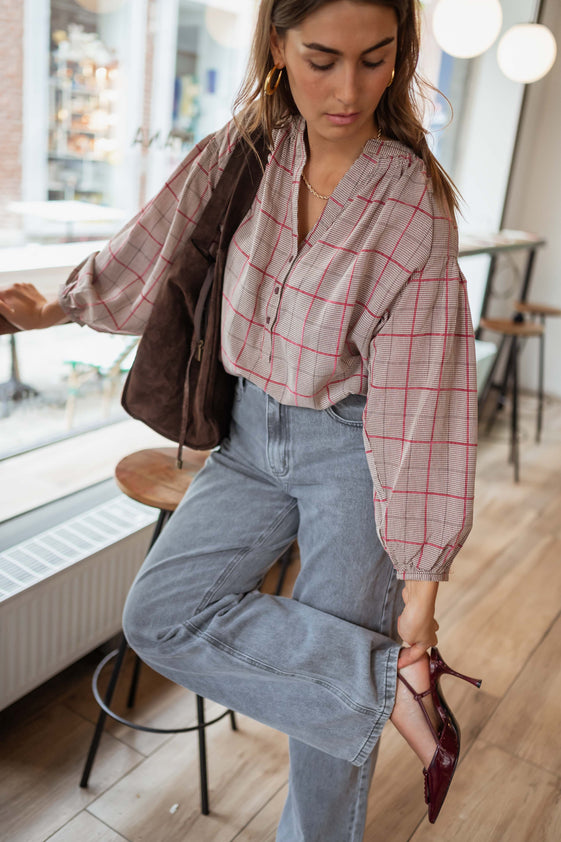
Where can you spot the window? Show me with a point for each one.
(103, 98)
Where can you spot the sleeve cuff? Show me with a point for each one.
(422, 576)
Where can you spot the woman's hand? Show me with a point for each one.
(416, 624)
(25, 307)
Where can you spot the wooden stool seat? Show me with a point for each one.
(153, 478)
(519, 330)
(532, 308)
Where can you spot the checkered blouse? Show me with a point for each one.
(373, 302)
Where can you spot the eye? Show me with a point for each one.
(320, 67)
(373, 63)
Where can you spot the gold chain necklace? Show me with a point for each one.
(319, 195)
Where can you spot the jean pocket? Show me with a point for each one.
(348, 411)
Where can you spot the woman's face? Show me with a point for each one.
(339, 61)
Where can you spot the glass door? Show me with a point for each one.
(200, 53)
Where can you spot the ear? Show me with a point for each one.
(276, 44)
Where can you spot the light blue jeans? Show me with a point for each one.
(320, 666)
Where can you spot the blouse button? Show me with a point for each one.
(268, 319)
(277, 290)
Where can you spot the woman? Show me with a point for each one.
(345, 317)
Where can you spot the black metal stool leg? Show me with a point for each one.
(202, 756)
(540, 383)
(490, 384)
(134, 682)
(515, 451)
(163, 518)
(102, 715)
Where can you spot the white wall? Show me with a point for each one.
(486, 139)
(535, 202)
(489, 131)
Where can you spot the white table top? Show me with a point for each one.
(494, 242)
(68, 211)
(45, 266)
(55, 255)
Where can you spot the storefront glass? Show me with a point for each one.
(105, 99)
(85, 100)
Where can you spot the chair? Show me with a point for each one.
(106, 358)
(512, 332)
(152, 477)
(541, 312)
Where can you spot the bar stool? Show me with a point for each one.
(153, 478)
(512, 332)
(541, 312)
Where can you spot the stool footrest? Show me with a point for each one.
(101, 666)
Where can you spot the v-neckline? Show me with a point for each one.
(344, 190)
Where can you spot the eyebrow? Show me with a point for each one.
(323, 49)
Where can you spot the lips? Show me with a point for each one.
(343, 119)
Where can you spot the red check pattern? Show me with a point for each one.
(373, 302)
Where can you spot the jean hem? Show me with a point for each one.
(391, 686)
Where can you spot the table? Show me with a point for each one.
(495, 244)
(69, 212)
(506, 241)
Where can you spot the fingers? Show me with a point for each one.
(22, 305)
(8, 298)
(410, 655)
(5, 308)
(418, 631)
(20, 292)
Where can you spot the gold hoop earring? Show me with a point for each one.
(391, 80)
(267, 87)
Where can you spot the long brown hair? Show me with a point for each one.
(398, 114)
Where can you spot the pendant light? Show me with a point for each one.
(466, 28)
(527, 52)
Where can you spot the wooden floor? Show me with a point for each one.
(500, 617)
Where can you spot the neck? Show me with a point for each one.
(333, 156)
(330, 155)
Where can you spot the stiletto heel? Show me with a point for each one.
(440, 667)
(440, 772)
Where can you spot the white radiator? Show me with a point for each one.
(62, 592)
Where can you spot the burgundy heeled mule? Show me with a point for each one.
(441, 770)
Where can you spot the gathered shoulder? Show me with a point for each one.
(412, 206)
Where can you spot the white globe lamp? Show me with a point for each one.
(466, 28)
(527, 52)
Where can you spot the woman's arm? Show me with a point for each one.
(417, 625)
(24, 307)
(421, 422)
(421, 432)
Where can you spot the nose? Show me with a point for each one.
(347, 86)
